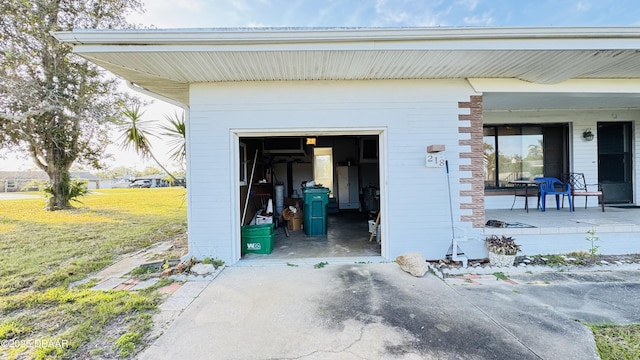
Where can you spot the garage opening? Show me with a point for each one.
(312, 195)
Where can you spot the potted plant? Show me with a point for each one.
(502, 250)
(588, 135)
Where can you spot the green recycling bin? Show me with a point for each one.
(257, 239)
(316, 202)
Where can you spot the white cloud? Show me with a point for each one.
(169, 13)
(583, 6)
(204, 13)
(410, 13)
(330, 14)
(484, 19)
(468, 4)
(240, 5)
(256, 25)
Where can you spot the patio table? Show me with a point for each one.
(519, 184)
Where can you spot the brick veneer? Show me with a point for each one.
(476, 155)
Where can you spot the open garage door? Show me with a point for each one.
(348, 166)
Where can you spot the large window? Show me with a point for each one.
(512, 153)
(522, 152)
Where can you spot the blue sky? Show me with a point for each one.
(388, 13)
(359, 13)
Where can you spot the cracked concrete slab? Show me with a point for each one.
(128, 263)
(180, 299)
(367, 311)
(109, 283)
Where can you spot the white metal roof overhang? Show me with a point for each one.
(165, 62)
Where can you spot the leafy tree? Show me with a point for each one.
(149, 170)
(117, 172)
(535, 151)
(54, 105)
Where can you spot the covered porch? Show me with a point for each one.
(560, 231)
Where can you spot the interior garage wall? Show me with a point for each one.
(409, 115)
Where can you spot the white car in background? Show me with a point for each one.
(141, 184)
(121, 184)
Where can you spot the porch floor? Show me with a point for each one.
(552, 221)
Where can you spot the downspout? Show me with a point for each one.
(185, 108)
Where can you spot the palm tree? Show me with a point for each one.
(136, 135)
(176, 132)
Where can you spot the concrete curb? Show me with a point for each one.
(522, 269)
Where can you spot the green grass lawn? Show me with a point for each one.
(617, 342)
(42, 252)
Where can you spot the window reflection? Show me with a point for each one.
(489, 146)
(520, 154)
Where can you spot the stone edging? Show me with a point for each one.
(193, 277)
(522, 269)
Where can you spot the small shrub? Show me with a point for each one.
(35, 185)
(215, 262)
(76, 189)
(579, 257)
(141, 270)
(556, 260)
(500, 276)
(593, 238)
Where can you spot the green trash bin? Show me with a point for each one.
(316, 202)
(257, 239)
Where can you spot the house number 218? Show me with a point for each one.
(435, 160)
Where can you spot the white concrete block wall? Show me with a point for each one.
(208, 171)
(409, 114)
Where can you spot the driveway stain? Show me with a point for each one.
(427, 329)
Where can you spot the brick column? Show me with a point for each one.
(476, 155)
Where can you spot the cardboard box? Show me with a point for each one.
(292, 202)
(296, 223)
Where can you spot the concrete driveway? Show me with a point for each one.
(17, 196)
(377, 311)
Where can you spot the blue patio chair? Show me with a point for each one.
(553, 186)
